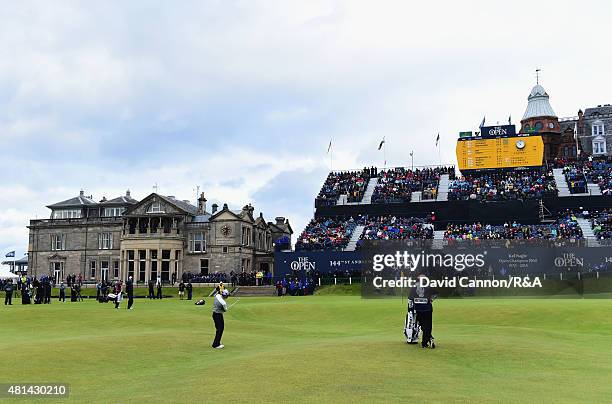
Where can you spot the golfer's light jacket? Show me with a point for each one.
(219, 305)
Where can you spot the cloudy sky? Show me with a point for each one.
(243, 97)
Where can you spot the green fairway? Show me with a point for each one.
(315, 348)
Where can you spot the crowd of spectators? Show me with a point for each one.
(564, 228)
(214, 277)
(602, 224)
(38, 290)
(326, 234)
(396, 185)
(580, 172)
(350, 183)
(295, 286)
(396, 228)
(503, 185)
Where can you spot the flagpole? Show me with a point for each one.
(385, 153)
(439, 153)
(576, 137)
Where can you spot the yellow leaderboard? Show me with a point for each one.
(508, 152)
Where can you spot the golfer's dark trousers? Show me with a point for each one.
(8, 299)
(62, 297)
(130, 301)
(159, 293)
(219, 326)
(424, 320)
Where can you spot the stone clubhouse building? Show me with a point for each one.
(156, 237)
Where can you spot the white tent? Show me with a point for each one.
(6, 274)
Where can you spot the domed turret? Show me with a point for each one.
(538, 105)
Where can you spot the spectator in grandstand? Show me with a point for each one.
(397, 184)
(326, 234)
(602, 224)
(396, 228)
(352, 184)
(564, 228)
(503, 185)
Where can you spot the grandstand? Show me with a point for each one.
(549, 202)
(535, 183)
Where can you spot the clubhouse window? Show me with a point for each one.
(67, 214)
(197, 243)
(165, 269)
(204, 266)
(597, 129)
(58, 242)
(130, 259)
(246, 236)
(142, 265)
(113, 212)
(599, 146)
(105, 241)
(92, 269)
(155, 207)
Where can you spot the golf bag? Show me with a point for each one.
(411, 327)
(200, 302)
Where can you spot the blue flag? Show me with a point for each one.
(11, 254)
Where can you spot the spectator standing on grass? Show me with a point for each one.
(181, 290)
(62, 292)
(173, 278)
(78, 291)
(151, 292)
(8, 290)
(189, 288)
(118, 294)
(129, 289)
(98, 289)
(279, 288)
(159, 288)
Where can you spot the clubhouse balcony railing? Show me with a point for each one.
(78, 220)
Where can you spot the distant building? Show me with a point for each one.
(594, 129)
(156, 237)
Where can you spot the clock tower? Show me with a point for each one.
(539, 118)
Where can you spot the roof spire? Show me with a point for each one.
(538, 70)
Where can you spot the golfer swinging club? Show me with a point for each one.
(219, 307)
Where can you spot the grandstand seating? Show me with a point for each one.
(350, 183)
(396, 228)
(601, 223)
(565, 227)
(503, 185)
(326, 234)
(334, 233)
(396, 185)
(579, 173)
